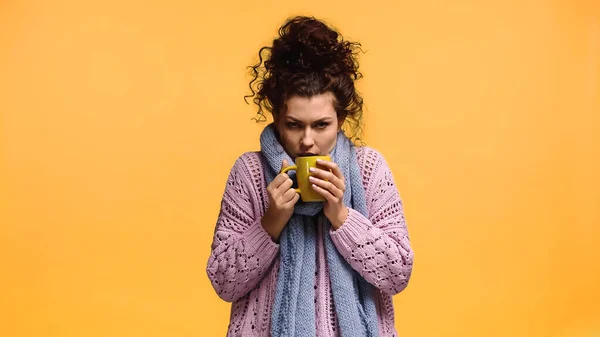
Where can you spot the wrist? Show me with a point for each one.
(340, 218)
(271, 227)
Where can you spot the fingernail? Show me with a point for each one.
(311, 178)
(319, 160)
(312, 169)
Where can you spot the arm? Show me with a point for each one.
(378, 247)
(242, 251)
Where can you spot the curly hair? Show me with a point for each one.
(308, 58)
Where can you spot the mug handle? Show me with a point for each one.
(291, 167)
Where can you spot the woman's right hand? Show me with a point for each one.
(282, 199)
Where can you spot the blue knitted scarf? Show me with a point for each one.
(293, 312)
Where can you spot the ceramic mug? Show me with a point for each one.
(302, 168)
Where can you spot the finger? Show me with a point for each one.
(327, 185)
(333, 166)
(325, 193)
(284, 187)
(295, 198)
(288, 195)
(279, 179)
(326, 175)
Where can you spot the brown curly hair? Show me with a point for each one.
(307, 59)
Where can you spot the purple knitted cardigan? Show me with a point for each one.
(244, 261)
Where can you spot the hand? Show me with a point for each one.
(282, 198)
(333, 190)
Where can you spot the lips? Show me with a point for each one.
(306, 154)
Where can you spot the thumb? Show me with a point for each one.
(284, 164)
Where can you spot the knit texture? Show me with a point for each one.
(294, 308)
(244, 264)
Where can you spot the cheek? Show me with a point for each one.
(328, 139)
(288, 139)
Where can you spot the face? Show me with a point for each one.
(309, 127)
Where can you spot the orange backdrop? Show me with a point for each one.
(119, 122)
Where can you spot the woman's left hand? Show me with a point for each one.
(332, 190)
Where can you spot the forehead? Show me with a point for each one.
(310, 108)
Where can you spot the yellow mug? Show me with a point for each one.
(302, 168)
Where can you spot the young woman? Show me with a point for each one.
(292, 268)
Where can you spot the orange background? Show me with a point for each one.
(119, 122)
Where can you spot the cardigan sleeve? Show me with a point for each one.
(377, 247)
(242, 251)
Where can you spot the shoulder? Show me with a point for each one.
(246, 177)
(362, 151)
(249, 164)
(369, 158)
(372, 164)
(250, 159)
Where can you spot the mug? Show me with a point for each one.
(302, 168)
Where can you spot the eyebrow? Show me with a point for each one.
(324, 119)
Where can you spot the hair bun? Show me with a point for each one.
(306, 44)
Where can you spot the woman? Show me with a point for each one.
(310, 269)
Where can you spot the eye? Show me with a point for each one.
(292, 125)
(322, 125)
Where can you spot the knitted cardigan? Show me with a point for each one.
(244, 263)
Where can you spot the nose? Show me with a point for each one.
(307, 139)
